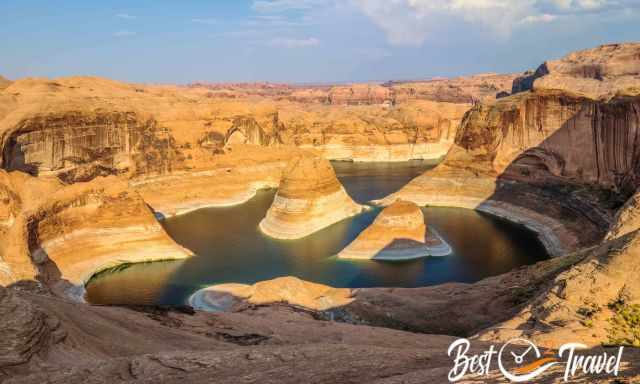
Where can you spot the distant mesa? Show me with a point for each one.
(290, 290)
(398, 233)
(310, 198)
(361, 94)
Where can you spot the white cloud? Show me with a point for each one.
(294, 43)
(409, 22)
(124, 33)
(126, 16)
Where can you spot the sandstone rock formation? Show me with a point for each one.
(80, 128)
(289, 290)
(414, 130)
(309, 198)
(361, 94)
(63, 235)
(468, 90)
(399, 232)
(578, 156)
(4, 83)
(600, 73)
(246, 130)
(76, 343)
(560, 157)
(596, 301)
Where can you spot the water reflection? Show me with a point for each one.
(230, 247)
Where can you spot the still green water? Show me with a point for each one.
(230, 247)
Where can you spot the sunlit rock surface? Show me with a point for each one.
(558, 160)
(62, 235)
(289, 290)
(4, 83)
(398, 233)
(310, 198)
(600, 73)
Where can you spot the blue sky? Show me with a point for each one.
(300, 40)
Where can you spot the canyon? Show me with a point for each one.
(89, 165)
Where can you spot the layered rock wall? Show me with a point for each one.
(559, 159)
(63, 235)
(78, 146)
(537, 137)
(310, 198)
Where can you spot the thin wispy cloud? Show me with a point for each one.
(240, 34)
(290, 43)
(269, 6)
(535, 19)
(126, 16)
(278, 21)
(208, 21)
(124, 33)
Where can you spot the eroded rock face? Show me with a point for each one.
(361, 94)
(247, 130)
(557, 161)
(398, 233)
(4, 83)
(310, 198)
(598, 73)
(78, 146)
(542, 137)
(81, 232)
(468, 90)
(414, 130)
(24, 329)
(627, 218)
(81, 128)
(62, 235)
(594, 301)
(289, 290)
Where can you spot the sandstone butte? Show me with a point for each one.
(85, 158)
(399, 232)
(289, 290)
(309, 198)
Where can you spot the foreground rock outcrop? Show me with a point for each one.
(276, 343)
(398, 233)
(288, 290)
(309, 198)
(595, 301)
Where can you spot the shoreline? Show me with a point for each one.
(382, 153)
(552, 234)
